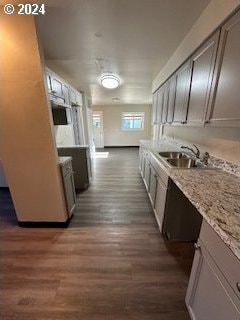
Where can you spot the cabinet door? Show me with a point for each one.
(152, 186)
(57, 87)
(209, 296)
(203, 62)
(160, 99)
(154, 108)
(160, 201)
(69, 192)
(49, 85)
(66, 94)
(147, 173)
(165, 103)
(182, 93)
(225, 108)
(171, 98)
(79, 98)
(73, 96)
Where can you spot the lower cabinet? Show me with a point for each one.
(152, 186)
(210, 294)
(81, 162)
(146, 176)
(160, 202)
(69, 187)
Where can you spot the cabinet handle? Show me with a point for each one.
(197, 246)
(238, 286)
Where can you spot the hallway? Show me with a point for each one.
(110, 263)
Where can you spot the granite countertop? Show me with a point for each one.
(63, 160)
(213, 191)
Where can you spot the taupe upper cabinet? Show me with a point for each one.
(154, 108)
(202, 67)
(182, 93)
(160, 100)
(171, 98)
(165, 93)
(225, 109)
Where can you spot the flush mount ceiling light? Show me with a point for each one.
(110, 81)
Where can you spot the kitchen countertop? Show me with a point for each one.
(63, 160)
(214, 192)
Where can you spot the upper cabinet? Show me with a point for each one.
(75, 97)
(171, 98)
(182, 93)
(225, 109)
(160, 100)
(205, 89)
(165, 92)
(154, 108)
(202, 66)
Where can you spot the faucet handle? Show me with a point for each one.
(205, 158)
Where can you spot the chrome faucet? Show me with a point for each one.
(196, 153)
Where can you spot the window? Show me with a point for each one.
(132, 120)
(96, 121)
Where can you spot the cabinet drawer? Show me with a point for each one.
(67, 169)
(222, 255)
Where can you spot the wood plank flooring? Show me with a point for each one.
(110, 263)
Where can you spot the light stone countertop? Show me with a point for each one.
(63, 160)
(214, 192)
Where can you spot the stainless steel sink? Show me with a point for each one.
(183, 163)
(173, 155)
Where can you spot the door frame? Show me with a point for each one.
(101, 120)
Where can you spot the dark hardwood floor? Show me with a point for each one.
(110, 263)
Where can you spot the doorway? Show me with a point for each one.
(98, 131)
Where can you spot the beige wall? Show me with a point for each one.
(64, 135)
(113, 134)
(222, 143)
(210, 19)
(27, 145)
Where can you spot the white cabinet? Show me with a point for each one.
(75, 97)
(211, 292)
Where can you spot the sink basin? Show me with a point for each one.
(173, 155)
(183, 163)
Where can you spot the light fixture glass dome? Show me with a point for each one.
(110, 81)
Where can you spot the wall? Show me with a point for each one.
(113, 134)
(64, 135)
(223, 143)
(27, 146)
(210, 19)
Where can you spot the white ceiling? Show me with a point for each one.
(133, 38)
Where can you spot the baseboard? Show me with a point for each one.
(105, 147)
(44, 224)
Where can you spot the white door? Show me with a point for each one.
(98, 129)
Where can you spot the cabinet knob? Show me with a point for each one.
(197, 246)
(155, 176)
(238, 286)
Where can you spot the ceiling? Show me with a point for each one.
(133, 38)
